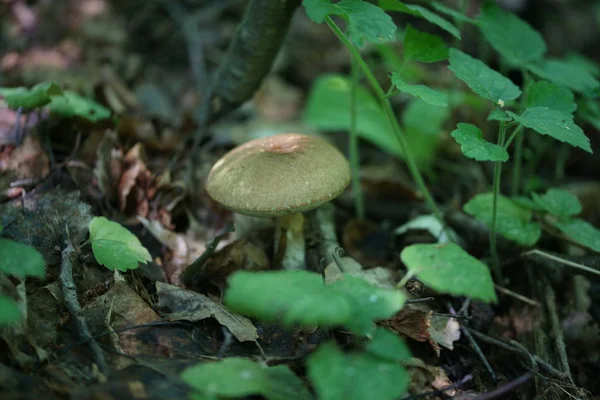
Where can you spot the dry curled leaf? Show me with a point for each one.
(181, 304)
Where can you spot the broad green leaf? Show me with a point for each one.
(369, 303)
(584, 62)
(71, 104)
(565, 73)
(355, 376)
(474, 146)
(240, 377)
(512, 221)
(498, 115)
(318, 10)
(20, 260)
(449, 269)
(424, 47)
(368, 22)
(387, 345)
(581, 232)
(28, 99)
(589, 111)
(549, 95)
(426, 93)
(528, 203)
(301, 297)
(365, 20)
(510, 36)
(454, 14)
(421, 12)
(558, 202)
(9, 311)
(328, 108)
(482, 79)
(420, 116)
(115, 247)
(553, 123)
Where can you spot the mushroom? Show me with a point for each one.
(280, 177)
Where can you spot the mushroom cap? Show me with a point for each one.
(279, 175)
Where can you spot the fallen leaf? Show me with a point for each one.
(191, 306)
(444, 331)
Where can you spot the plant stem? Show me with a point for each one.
(387, 108)
(515, 187)
(517, 173)
(359, 206)
(496, 194)
(517, 130)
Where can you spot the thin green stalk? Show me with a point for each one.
(496, 194)
(359, 205)
(515, 187)
(387, 108)
(513, 135)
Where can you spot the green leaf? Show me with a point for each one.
(301, 297)
(328, 108)
(20, 260)
(424, 47)
(498, 115)
(387, 345)
(318, 10)
(240, 377)
(9, 311)
(421, 12)
(474, 146)
(115, 247)
(28, 99)
(584, 62)
(512, 222)
(456, 15)
(71, 104)
(368, 22)
(483, 80)
(426, 93)
(369, 303)
(449, 269)
(355, 376)
(510, 36)
(581, 232)
(565, 73)
(549, 95)
(365, 20)
(422, 117)
(558, 202)
(553, 123)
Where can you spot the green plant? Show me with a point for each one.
(63, 103)
(20, 261)
(337, 102)
(116, 247)
(545, 104)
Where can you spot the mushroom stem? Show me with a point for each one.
(289, 242)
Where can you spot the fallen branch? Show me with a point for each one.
(70, 294)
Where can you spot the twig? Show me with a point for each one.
(194, 268)
(475, 347)
(509, 387)
(70, 294)
(557, 331)
(441, 390)
(517, 296)
(560, 260)
(519, 351)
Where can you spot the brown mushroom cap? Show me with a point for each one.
(279, 175)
